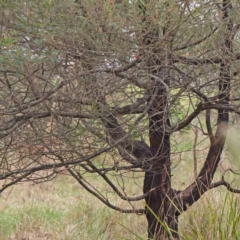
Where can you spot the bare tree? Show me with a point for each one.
(104, 87)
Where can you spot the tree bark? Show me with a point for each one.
(164, 202)
(160, 212)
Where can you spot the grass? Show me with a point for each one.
(63, 210)
(215, 216)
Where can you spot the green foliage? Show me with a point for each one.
(7, 42)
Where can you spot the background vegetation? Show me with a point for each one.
(129, 101)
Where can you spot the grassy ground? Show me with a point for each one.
(62, 210)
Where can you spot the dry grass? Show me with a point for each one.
(61, 210)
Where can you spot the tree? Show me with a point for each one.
(105, 87)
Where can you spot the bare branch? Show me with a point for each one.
(199, 61)
(188, 45)
(185, 122)
(224, 183)
(219, 106)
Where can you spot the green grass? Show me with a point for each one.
(215, 216)
(63, 210)
(9, 221)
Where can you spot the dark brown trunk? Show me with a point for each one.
(161, 215)
(160, 212)
(161, 209)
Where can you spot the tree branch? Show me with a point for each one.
(224, 183)
(188, 45)
(184, 123)
(208, 124)
(199, 61)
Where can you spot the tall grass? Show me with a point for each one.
(62, 210)
(215, 216)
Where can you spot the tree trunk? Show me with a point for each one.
(160, 212)
(161, 216)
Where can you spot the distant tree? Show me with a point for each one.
(109, 87)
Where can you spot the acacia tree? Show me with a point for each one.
(105, 87)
